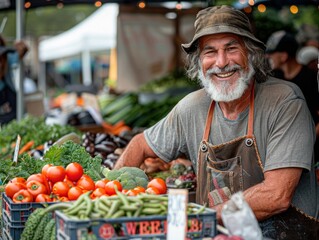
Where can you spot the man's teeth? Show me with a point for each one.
(224, 75)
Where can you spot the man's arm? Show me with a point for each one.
(135, 153)
(273, 195)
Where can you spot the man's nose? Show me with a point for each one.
(221, 59)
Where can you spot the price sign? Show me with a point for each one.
(16, 149)
(177, 214)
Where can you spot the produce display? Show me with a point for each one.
(104, 145)
(87, 212)
(178, 176)
(34, 134)
(68, 170)
(59, 183)
(164, 94)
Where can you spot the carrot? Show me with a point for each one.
(40, 147)
(26, 147)
(121, 129)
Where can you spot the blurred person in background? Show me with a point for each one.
(282, 48)
(308, 56)
(8, 58)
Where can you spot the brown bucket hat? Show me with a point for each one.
(221, 19)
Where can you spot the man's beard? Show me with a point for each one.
(224, 91)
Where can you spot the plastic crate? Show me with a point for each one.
(15, 215)
(10, 231)
(146, 227)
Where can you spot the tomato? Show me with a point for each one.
(61, 189)
(98, 192)
(56, 174)
(139, 189)
(74, 193)
(110, 187)
(85, 182)
(42, 197)
(69, 182)
(13, 187)
(40, 178)
(132, 192)
(158, 183)
(152, 190)
(22, 196)
(63, 199)
(74, 171)
(124, 191)
(19, 180)
(36, 187)
(45, 168)
(101, 183)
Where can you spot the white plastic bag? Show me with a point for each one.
(239, 219)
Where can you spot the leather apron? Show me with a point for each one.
(234, 166)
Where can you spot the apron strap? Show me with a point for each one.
(250, 129)
(209, 121)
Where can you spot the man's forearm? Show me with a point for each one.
(135, 153)
(271, 196)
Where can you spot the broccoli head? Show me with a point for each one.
(129, 177)
(112, 174)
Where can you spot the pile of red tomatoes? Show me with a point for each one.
(58, 183)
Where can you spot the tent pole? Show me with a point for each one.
(86, 68)
(20, 67)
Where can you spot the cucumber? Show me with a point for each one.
(39, 232)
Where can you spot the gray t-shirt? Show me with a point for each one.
(283, 128)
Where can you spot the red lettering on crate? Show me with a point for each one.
(131, 228)
(165, 227)
(106, 231)
(61, 223)
(7, 208)
(144, 228)
(155, 227)
(195, 225)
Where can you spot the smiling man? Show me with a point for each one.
(243, 131)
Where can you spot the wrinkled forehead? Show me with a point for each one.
(220, 40)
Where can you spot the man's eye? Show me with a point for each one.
(231, 49)
(210, 52)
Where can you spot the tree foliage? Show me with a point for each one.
(46, 21)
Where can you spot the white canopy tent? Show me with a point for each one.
(95, 33)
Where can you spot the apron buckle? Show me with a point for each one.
(203, 147)
(249, 142)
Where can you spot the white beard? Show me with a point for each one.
(224, 91)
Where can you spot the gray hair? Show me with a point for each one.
(255, 54)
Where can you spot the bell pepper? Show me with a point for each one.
(22, 196)
(42, 197)
(36, 187)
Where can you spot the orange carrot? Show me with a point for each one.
(40, 147)
(26, 147)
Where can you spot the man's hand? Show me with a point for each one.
(21, 48)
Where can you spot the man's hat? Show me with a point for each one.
(221, 19)
(282, 41)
